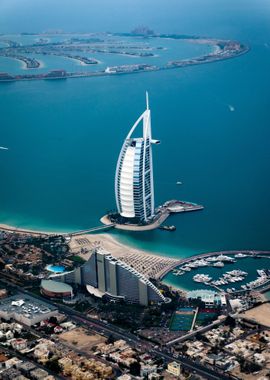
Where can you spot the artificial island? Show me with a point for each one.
(92, 49)
(81, 305)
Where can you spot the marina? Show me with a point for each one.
(225, 272)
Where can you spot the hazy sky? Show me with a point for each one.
(185, 16)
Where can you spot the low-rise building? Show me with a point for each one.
(55, 289)
(43, 349)
(26, 368)
(13, 362)
(10, 374)
(19, 344)
(26, 309)
(146, 370)
(68, 325)
(243, 348)
(174, 368)
(124, 377)
(20, 377)
(38, 374)
(195, 349)
(259, 358)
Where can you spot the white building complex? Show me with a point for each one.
(134, 187)
(26, 309)
(104, 275)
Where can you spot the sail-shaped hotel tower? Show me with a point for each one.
(134, 185)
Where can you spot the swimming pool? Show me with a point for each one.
(55, 268)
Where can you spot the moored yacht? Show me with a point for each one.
(202, 278)
(218, 264)
(240, 255)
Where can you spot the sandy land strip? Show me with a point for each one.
(26, 231)
(259, 314)
(24, 65)
(151, 265)
(81, 339)
(41, 64)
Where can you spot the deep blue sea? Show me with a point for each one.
(64, 137)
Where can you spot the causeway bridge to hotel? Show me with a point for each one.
(93, 229)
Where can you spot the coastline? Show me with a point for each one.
(175, 287)
(150, 264)
(9, 228)
(109, 240)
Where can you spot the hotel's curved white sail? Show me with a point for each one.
(134, 188)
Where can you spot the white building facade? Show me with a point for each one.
(134, 186)
(114, 278)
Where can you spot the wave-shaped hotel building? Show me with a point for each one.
(134, 186)
(105, 275)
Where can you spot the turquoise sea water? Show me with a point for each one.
(64, 138)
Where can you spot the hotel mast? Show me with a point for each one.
(134, 187)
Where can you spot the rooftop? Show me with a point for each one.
(25, 305)
(55, 286)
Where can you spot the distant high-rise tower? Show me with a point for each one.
(134, 187)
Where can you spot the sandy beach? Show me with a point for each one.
(19, 230)
(145, 262)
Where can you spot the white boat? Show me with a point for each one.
(211, 258)
(218, 264)
(225, 258)
(202, 278)
(178, 273)
(193, 265)
(240, 255)
(202, 263)
(261, 272)
(237, 272)
(185, 268)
